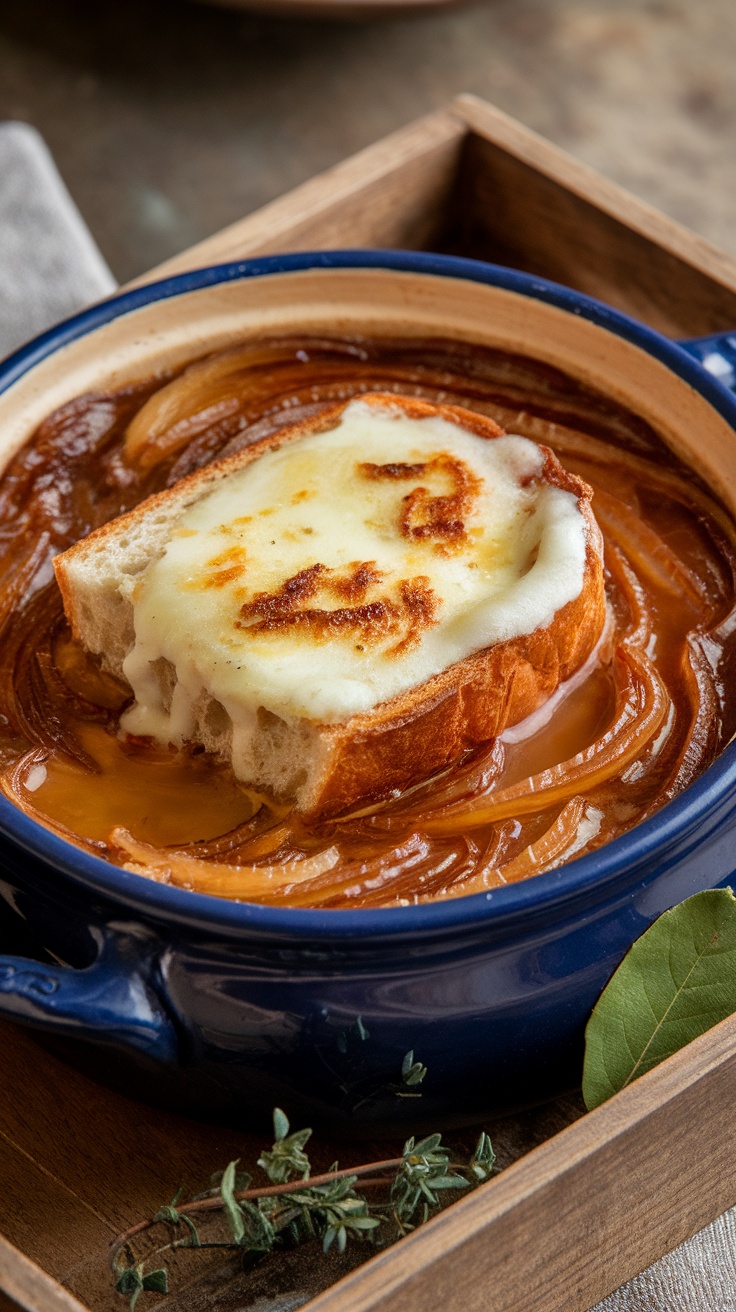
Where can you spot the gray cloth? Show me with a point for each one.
(50, 267)
(49, 263)
(699, 1276)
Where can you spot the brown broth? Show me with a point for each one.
(647, 715)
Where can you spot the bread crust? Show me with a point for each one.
(422, 730)
(413, 736)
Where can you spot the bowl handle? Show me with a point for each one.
(717, 354)
(112, 1001)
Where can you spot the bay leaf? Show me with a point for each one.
(676, 982)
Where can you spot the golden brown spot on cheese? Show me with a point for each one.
(392, 470)
(402, 614)
(418, 604)
(356, 584)
(184, 533)
(225, 568)
(275, 606)
(426, 515)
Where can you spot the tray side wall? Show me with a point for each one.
(581, 1214)
(472, 181)
(393, 194)
(522, 201)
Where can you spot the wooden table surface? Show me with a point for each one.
(170, 119)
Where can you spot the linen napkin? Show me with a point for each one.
(699, 1276)
(49, 268)
(49, 263)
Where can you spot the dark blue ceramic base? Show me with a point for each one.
(228, 1009)
(229, 1029)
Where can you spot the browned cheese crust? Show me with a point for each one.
(419, 732)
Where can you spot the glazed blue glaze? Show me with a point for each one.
(227, 1008)
(111, 997)
(717, 354)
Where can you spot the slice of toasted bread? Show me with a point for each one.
(368, 620)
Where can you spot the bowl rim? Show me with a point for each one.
(589, 874)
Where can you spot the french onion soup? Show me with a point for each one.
(421, 619)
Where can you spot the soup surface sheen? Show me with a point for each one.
(633, 728)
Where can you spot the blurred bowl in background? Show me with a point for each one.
(340, 10)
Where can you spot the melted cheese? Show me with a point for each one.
(346, 567)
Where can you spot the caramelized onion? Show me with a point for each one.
(200, 395)
(702, 740)
(652, 560)
(642, 702)
(557, 844)
(634, 731)
(636, 628)
(214, 389)
(244, 883)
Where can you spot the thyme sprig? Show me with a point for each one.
(296, 1206)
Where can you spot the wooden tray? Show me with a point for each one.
(584, 1201)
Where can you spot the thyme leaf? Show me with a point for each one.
(233, 1210)
(287, 1158)
(129, 1283)
(483, 1159)
(156, 1282)
(412, 1074)
(296, 1206)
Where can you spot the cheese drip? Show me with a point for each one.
(329, 574)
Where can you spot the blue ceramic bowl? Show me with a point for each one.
(230, 1008)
